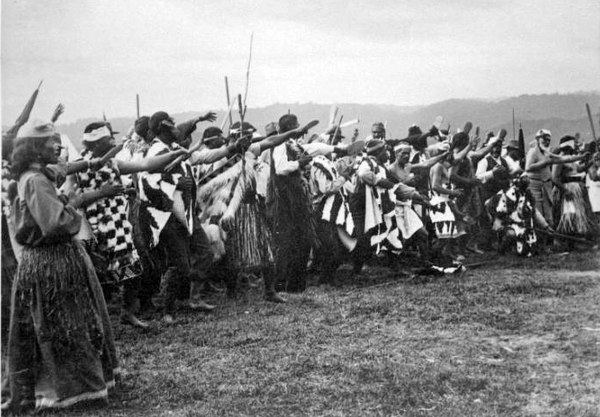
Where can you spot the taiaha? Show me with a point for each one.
(566, 237)
(589, 113)
(337, 128)
(24, 116)
(242, 111)
(248, 71)
(521, 145)
(228, 102)
(514, 128)
(225, 116)
(137, 105)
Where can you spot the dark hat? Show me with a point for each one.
(159, 119)
(378, 125)
(288, 122)
(567, 142)
(211, 131)
(460, 140)
(414, 130)
(374, 146)
(513, 144)
(141, 126)
(235, 128)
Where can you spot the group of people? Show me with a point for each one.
(166, 220)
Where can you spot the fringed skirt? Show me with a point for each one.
(575, 214)
(249, 242)
(61, 348)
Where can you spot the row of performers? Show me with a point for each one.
(158, 209)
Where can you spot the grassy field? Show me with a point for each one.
(516, 337)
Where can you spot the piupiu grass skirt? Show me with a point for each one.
(61, 348)
(249, 242)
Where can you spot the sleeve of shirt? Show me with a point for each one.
(53, 217)
(483, 173)
(283, 166)
(208, 156)
(318, 148)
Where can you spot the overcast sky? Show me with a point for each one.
(95, 55)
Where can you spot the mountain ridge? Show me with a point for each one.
(560, 113)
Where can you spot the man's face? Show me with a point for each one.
(58, 143)
(496, 150)
(378, 133)
(403, 156)
(513, 153)
(544, 141)
(103, 145)
(50, 151)
(217, 142)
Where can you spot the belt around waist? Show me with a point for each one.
(537, 179)
(573, 179)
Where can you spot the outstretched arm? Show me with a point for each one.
(427, 164)
(151, 163)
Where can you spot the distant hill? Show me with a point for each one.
(560, 113)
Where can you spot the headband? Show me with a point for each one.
(97, 134)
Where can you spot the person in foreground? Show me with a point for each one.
(61, 350)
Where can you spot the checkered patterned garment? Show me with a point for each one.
(6, 182)
(109, 221)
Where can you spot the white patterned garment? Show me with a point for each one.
(109, 220)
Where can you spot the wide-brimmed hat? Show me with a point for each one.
(513, 144)
(36, 129)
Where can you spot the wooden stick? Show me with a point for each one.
(137, 104)
(228, 102)
(567, 237)
(589, 112)
(514, 126)
(337, 128)
(225, 118)
(248, 72)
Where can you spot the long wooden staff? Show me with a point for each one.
(248, 71)
(337, 128)
(242, 110)
(589, 113)
(137, 105)
(514, 126)
(228, 102)
(225, 118)
(567, 237)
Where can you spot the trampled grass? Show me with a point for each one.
(509, 338)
